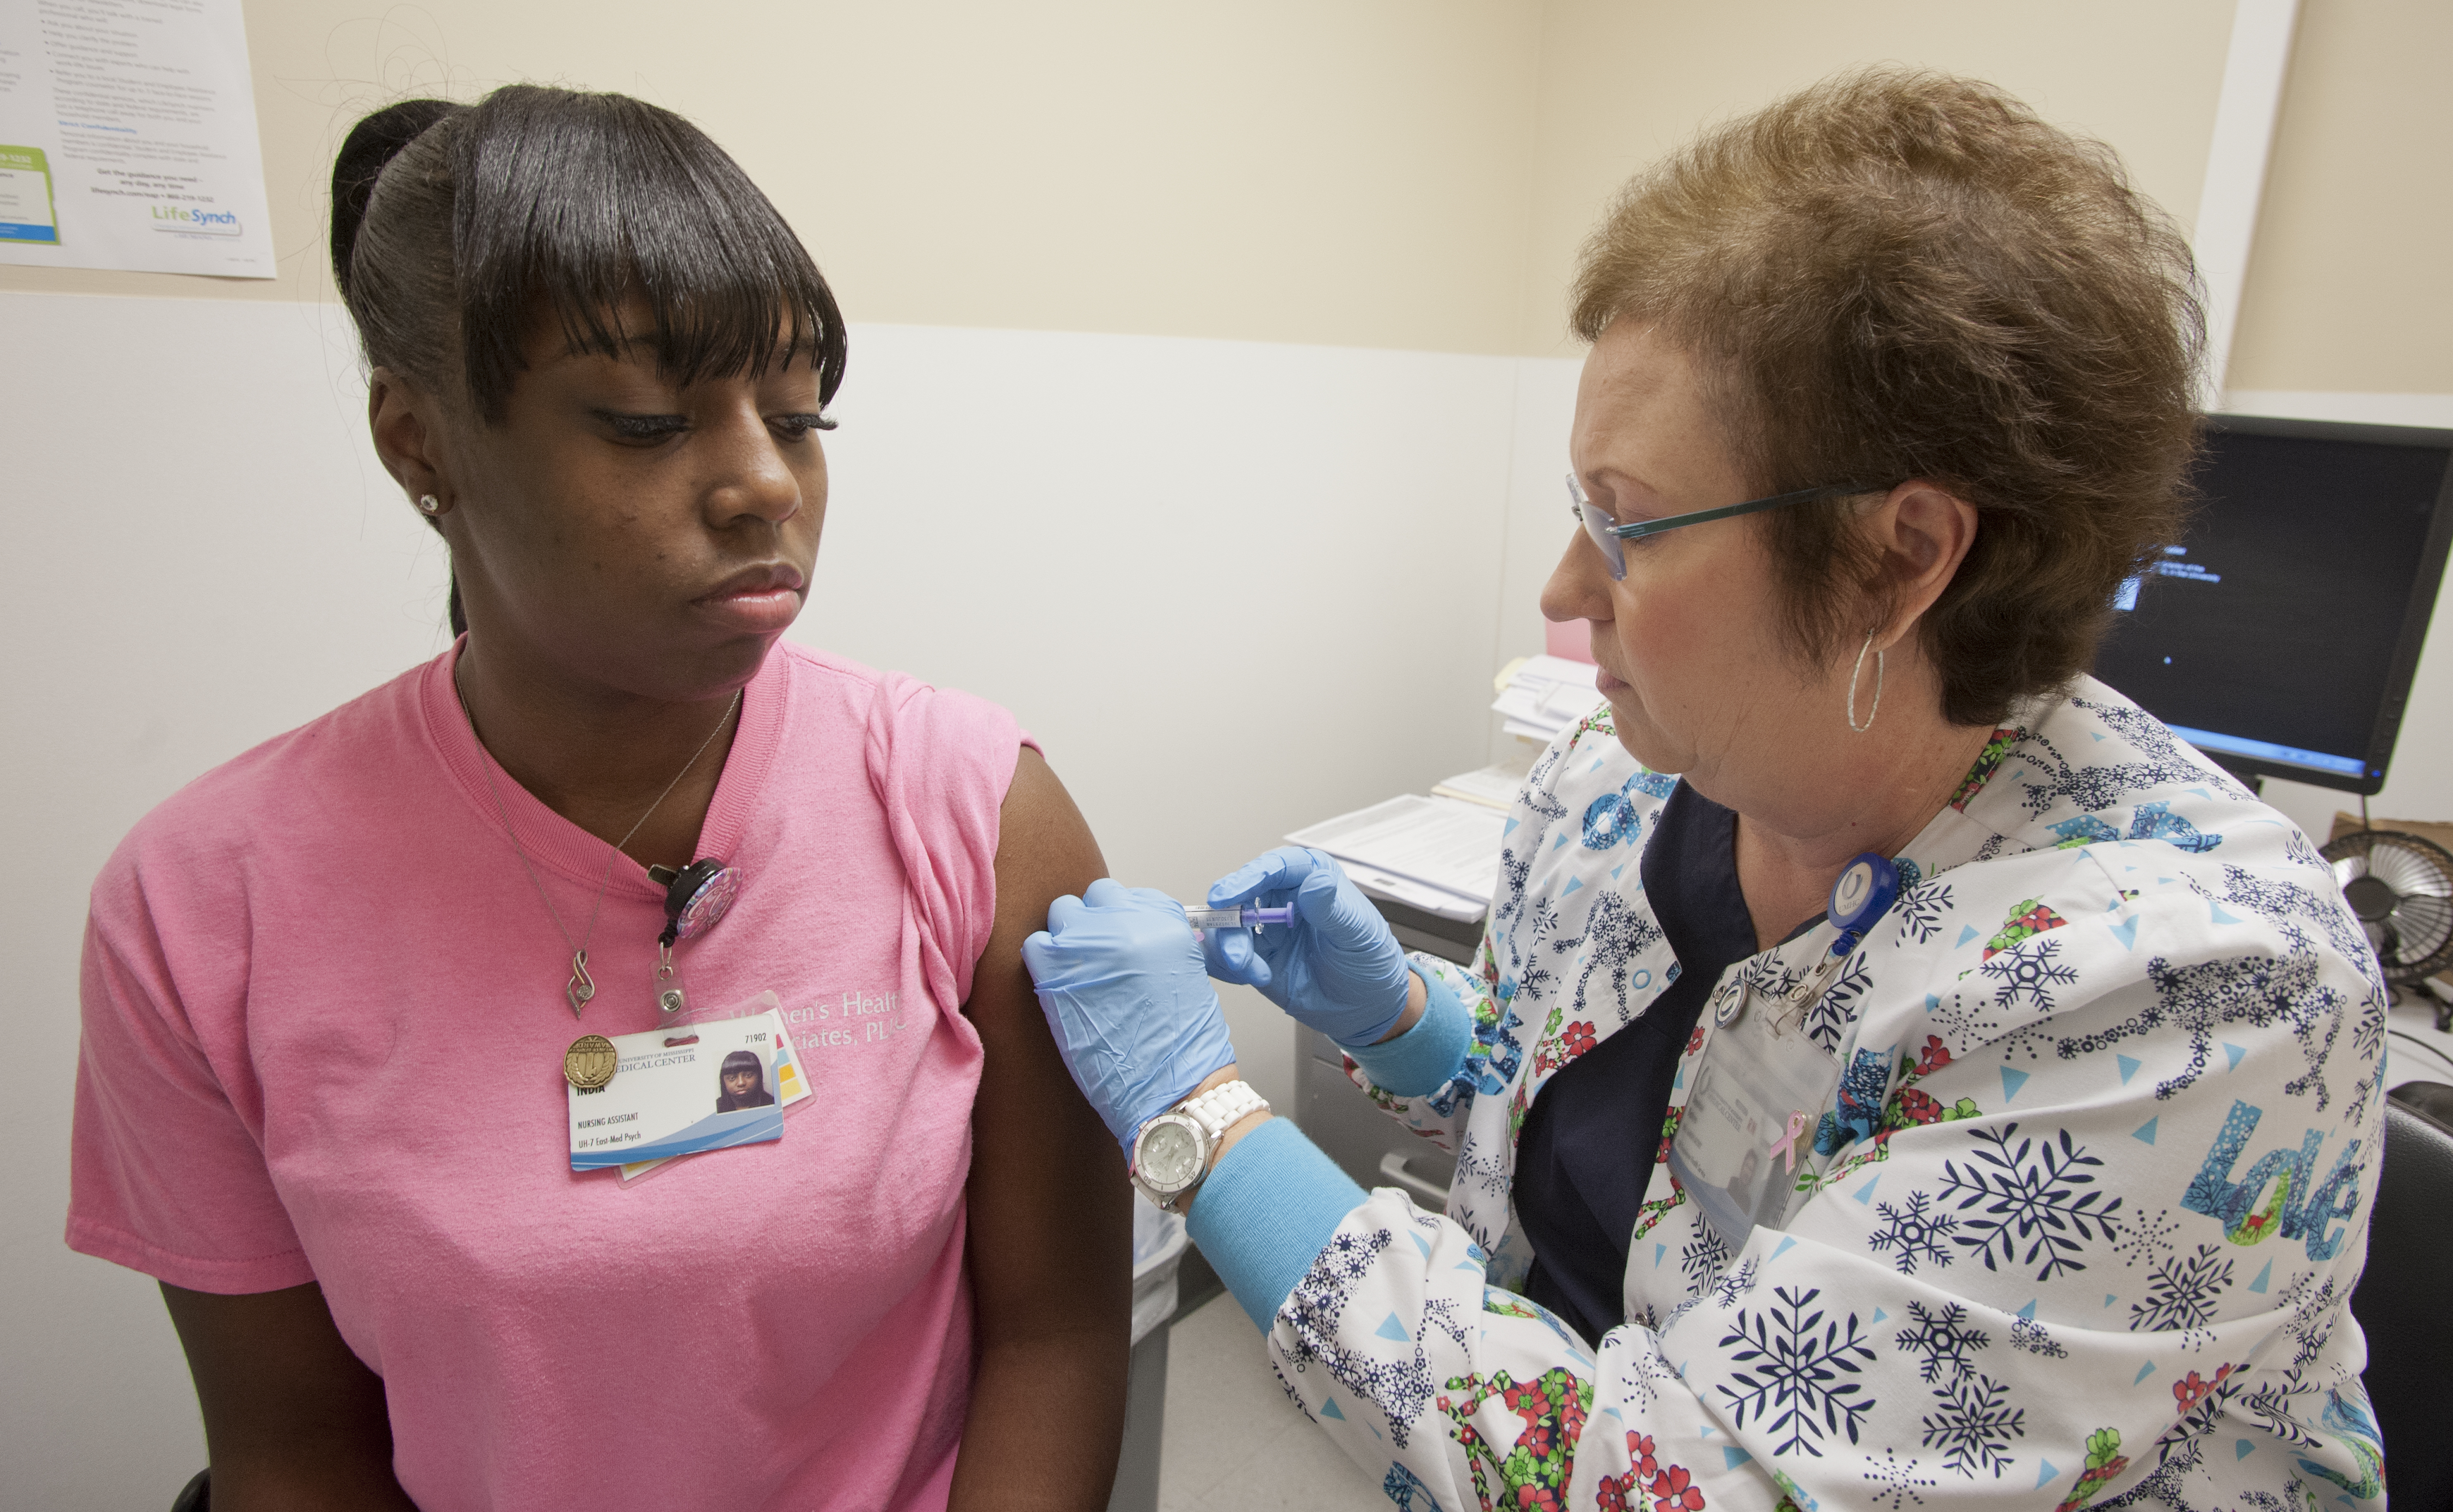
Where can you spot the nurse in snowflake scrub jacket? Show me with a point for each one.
(329, 986)
(2070, 1210)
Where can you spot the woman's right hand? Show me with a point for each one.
(1336, 967)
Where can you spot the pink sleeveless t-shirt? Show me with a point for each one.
(323, 1041)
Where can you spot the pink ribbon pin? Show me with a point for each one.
(1785, 1142)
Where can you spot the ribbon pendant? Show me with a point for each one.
(580, 986)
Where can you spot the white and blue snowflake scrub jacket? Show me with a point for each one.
(2081, 1227)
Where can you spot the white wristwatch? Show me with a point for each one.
(1171, 1152)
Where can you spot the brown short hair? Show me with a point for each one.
(1902, 274)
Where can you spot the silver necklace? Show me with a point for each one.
(580, 986)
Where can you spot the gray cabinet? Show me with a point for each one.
(1372, 1147)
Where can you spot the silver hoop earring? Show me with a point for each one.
(1854, 674)
(430, 504)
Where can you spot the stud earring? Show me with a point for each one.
(430, 504)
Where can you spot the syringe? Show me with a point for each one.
(1237, 917)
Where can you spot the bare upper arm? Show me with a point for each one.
(1050, 1207)
(292, 1418)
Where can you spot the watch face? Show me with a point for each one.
(1169, 1156)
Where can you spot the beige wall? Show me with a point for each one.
(2348, 284)
(1623, 83)
(1407, 173)
(1347, 172)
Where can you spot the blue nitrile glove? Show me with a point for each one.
(1336, 967)
(1121, 980)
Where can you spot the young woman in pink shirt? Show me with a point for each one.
(329, 986)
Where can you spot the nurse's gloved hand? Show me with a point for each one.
(1336, 967)
(1121, 979)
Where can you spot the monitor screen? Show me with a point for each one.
(2280, 638)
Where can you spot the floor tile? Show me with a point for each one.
(1232, 1442)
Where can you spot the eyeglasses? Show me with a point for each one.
(1608, 536)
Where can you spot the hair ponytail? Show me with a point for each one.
(372, 143)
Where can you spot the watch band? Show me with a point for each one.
(1223, 1107)
(1214, 1112)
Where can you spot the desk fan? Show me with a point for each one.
(2401, 886)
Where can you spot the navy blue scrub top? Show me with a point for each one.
(1588, 1145)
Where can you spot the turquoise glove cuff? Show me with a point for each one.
(1429, 1056)
(1267, 1212)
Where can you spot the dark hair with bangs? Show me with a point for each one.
(1899, 274)
(456, 228)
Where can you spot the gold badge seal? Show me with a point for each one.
(588, 1063)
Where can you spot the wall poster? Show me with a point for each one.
(127, 138)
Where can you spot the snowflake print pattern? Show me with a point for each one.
(1733, 1284)
(1828, 1016)
(1404, 1488)
(2032, 1335)
(1921, 1174)
(1896, 1482)
(2147, 1240)
(2200, 998)
(1702, 1257)
(1967, 1019)
(1400, 1389)
(1515, 871)
(1974, 1425)
(2027, 970)
(2091, 788)
(1541, 917)
(1915, 1232)
(2051, 1203)
(2274, 1403)
(2312, 1315)
(1943, 1337)
(1921, 911)
(1646, 1372)
(2279, 902)
(1791, 1377)
(1619, 932)
(2183, 1292)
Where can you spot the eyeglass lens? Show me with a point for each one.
(1598, 527)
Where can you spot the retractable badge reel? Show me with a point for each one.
(1746, 1138)
(696, 899)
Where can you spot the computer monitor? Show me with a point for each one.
(2281, 637)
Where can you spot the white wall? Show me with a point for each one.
(198, 557)
(1232, 588)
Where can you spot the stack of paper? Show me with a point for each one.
(1492, 787)
(1542, 695)
(1441, 855)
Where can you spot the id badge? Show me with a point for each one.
(1760, 1090)
(678, 1091)
(791, 1081)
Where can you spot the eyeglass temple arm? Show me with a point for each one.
(1644, 527)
